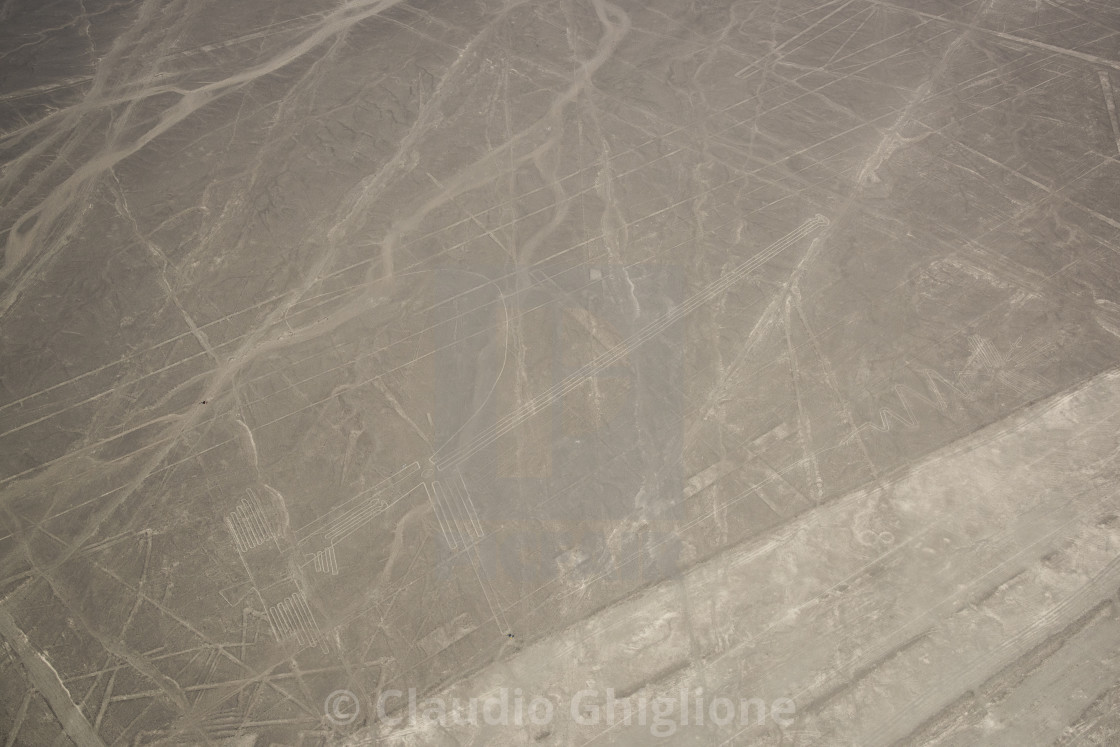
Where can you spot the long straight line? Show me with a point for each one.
(624, 348)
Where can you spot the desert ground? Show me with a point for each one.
(588, 372)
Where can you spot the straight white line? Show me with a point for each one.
(1110, 103)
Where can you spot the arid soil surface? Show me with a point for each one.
(487, 372)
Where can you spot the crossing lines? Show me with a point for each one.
(624, 348)
(355, 513)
